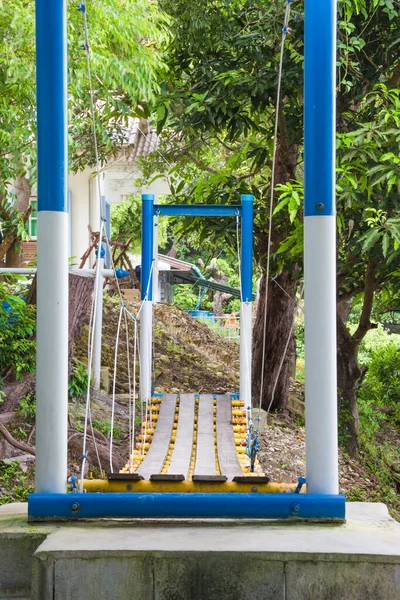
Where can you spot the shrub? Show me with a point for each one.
(17, 328)
(78, 381)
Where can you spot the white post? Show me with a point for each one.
(246, 322)
(146, 328)
(320, 354)
(147, 288)
(52, 248)
(156, 290)
(320, 246)
(98, 324)
(52, 352)
(246, 304)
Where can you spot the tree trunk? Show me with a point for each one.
(280, 320)
(13, 258)
(349, 374)
(23, 190)
(80, 291)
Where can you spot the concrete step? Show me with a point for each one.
(358, 560)
(18, 543)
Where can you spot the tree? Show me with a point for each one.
(125, 64)
(217, 112)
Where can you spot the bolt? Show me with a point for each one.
(320, 207)
(129, 487)
(254, 490)
(75, 506)
(295, 507)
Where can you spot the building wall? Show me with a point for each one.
(116, 183)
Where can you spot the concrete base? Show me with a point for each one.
(358, 560)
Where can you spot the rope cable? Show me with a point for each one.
(272, 188)
(90, 363)
(114, 386)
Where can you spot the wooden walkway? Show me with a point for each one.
(154, 460)
(212, 450)
(205, 447)
(182, 453)
(227, 455)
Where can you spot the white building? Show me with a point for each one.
(117, 181)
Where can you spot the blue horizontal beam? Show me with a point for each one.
(175, 505)
(198, 210)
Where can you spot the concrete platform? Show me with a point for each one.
(358, 560)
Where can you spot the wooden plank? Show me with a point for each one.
(167, 477)
(251, 479)
(124, 477)
(182, 453)
(205, 448)
(210, 478)
(154, 460)
(227, 456)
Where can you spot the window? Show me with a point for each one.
(32, 222)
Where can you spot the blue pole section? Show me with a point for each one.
(51, 94)
(320, 107)
(246, 305)
(52, 247)
(147, 246)
(247, 247)
(320, 246)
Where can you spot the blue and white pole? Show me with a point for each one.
(146, 285)
(98, 317)
(320, 246)
(52, 247)
(246, 301)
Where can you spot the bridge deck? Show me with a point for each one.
(156, 455)
(227, 455)
(182, 453)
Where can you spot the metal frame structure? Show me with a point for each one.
(150, 213)
(322, 500)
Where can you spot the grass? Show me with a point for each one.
(15, 485)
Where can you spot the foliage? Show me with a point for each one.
(186, 298)
(78, 381)
(15, 485)
(126, 223)
(105, 428)
(125, 65)
(27, 407)
(17, 327)
(381, 385)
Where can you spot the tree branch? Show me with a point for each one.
(11, 440)
(369, 287)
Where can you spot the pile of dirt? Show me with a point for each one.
(188, 355)
(283, 458)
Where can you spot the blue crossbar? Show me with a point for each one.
(191, 505)
(198, 210)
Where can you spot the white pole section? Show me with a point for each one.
(320, 354)
(32, 271)
(246, 322)
(146, 326)
(98, 325)
(52, 248)
(320, 246)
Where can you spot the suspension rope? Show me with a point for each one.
(103, 234)
(285, 31)
(90, 363)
